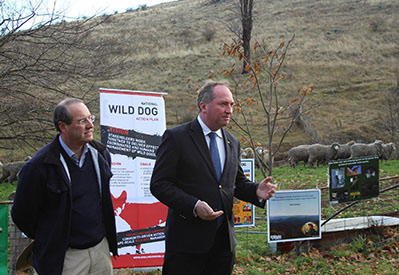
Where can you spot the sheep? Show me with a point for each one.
(247, 153)
(261, 158)
(319, 153)
(11, 170)
(297, 154)
(263, 155)
(242, 154)
(387, 150)
(344, 150)
(362, 149)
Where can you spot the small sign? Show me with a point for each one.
(244, 212)
(353, 179)
(294, 215)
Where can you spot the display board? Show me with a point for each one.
(294, 215)
(244, 212)
(353, 179)
(132, 124)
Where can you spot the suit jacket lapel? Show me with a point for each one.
(228, 148)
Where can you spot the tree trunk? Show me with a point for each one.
(246, 20)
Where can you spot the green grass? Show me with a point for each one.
(359, 257)
(366, 254)
(373, 253)
(6, 189)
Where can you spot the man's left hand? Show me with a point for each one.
(266, 189)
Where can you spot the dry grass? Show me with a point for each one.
(347, 48)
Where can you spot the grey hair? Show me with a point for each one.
(206, 93)
(61, 112)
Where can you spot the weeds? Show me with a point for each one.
(359, 244)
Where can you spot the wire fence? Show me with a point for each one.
(17, 241)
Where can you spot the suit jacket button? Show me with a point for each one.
(220, 187)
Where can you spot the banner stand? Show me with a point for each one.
(132, 124)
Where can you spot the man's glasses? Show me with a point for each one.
(85, 121)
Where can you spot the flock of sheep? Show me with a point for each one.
(315, 154)
(11, 170)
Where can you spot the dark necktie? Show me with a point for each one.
(213, 147)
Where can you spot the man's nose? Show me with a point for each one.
(89, 124)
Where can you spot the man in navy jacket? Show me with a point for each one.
(63, 199)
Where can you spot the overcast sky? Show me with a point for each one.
(77, 8)
(66, 9)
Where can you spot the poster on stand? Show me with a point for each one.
(294, 215)
(353, 179)
(132, 124)
(244, 212)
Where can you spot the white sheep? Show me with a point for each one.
(344, 150)
(387, 150)
(371, 149)
(11, 170)
(319, 153)
(247, 153)
(297, 154)
(261, 158)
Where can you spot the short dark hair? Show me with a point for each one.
(61, 112)
(206, 93)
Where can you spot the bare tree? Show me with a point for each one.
(389, 118)
(42, 59)
(279, 112)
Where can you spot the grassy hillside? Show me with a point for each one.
(348, 49)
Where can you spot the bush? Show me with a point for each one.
(209, 33)
(377, 24)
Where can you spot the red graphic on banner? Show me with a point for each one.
(139, 216)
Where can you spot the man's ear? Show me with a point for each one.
(202, 106)
(62, 126)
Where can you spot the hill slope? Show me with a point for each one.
(347, 49)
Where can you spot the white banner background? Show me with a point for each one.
(132, 124)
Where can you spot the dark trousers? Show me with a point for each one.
(218, 261)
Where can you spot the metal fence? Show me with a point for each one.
(17, 241)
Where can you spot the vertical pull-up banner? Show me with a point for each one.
(132, 124)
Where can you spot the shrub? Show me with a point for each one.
(209, 33)
(377, 24)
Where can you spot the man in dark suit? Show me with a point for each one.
(196, 175)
